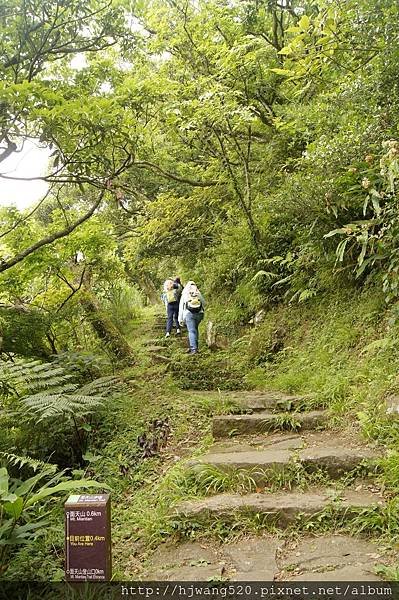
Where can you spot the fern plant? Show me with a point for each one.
(27, 461)
(38, 392)
(70, 399)
(23, 377)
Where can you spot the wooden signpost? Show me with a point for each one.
(88, 538)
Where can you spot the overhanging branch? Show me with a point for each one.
(7, 264)
(149, 165)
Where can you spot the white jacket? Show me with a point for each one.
(183, 310)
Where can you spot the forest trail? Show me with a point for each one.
(305, 486)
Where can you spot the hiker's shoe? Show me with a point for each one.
(167, 335)
(178, 332)
(194, 351)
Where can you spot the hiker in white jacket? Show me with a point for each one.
(191, 313)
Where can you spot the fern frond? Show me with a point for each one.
(102, 385)
(34, 376)
(46, 390)
(28, 461)
(46, 406)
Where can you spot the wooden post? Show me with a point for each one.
(88, 538)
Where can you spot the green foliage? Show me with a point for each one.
(287, 421)
(23, 377)
(23, 332)
(123, 304)
(205, 479)
(206, 371)
(382, 521)
(250, 146)
(19, 524)
(84, 365)
(43, 394)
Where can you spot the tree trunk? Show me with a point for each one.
(145, 283)
(104, 328)
(148, 288)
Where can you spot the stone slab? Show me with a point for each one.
(259, 401)
(334, 461)
(328, 558)
(279, 441)
(329, 552)
(160, 358)
(188, 561)
(281, 509)
(253, 559)
(227, 425)
(170, 555)
(155, 349)
(354, 574)
(193, 573)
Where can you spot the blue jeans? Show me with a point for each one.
(192, 322)
(172, 311)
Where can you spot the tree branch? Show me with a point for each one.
(26, 217)
(74, 290)
(150, 165)
(7, 264)
(11, 147)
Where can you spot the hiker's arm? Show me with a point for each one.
(181, 311)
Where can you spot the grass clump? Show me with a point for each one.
(207, 371)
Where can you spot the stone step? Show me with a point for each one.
(268, 558)
(164, 342)
(155, 342)
(279, 509)
(155, 349)
(159, 325)
(228, 425)
(157, 358)
(256, 401)
(258, 463)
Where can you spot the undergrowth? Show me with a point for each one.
(208, 371)
(335, 355)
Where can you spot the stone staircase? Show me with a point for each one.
(159, 347)
(271, 438)
(260, 454)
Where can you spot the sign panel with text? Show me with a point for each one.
(88, 538)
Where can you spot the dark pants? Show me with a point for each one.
(173, 314)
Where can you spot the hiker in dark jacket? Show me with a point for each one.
(171, 297)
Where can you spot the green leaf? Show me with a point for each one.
(90, 457)
(363, 250)
(4, 479)
(334, 232)
(340, 251)
(64, 487)
(24, 533)
(29, 484)
(293, 29)
(286, 50)
(285, 72)
(14, 508)
(86, 427)
(9, 497)
(304, 22)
